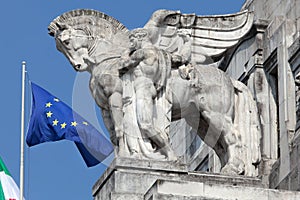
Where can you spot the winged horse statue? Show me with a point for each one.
(147, 77)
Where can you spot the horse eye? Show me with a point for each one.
(66, 42)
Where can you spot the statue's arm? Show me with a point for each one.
(131, 61)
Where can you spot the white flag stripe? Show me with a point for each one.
(9, 187)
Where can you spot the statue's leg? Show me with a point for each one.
(144, 109)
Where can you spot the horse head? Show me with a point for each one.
(81, 35)
(74, 43)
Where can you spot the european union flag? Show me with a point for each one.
(53, 120)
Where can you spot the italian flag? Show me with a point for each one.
(8, 188)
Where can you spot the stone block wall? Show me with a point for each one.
(269, 9)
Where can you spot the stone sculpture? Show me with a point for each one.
(145, 78)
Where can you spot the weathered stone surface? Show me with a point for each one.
(132, 177)
(180, 188)
(126, 179)
(216, 191)
(127, 175)
(177, 197)
(124, 196)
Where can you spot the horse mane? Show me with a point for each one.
(82, 17)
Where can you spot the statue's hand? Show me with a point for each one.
(176, 60)
(124, 65)
(127, 64)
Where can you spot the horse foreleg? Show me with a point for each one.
(115, 104)
(109, 125)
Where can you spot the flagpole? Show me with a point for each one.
(22, 132)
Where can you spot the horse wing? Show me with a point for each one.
(209, 36)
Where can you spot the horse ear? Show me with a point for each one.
(61, 26)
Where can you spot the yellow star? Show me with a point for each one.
(55, 122)
(49, 114)
(56, 99)
(63, 125)
(85, 123)
(48, 105)
(74, 123)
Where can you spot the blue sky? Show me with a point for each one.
(56, 170)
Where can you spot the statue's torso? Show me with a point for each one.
(149, 67)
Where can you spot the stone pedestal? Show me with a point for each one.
(157, 180)
(131, 178)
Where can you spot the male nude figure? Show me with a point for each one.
(149, 77)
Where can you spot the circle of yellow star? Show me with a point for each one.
(55, 122)
(56, 99)
(49, 114)
(85, 123)
(74, 123)
(63, 125)
(48, 105)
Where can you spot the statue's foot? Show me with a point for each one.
(155, 156)
(229, 170)
(136, 155)
(173, 159)
(122, 152)
(236, 168)
(171, 156)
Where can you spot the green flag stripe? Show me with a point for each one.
(1, 192)
(3, 168)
